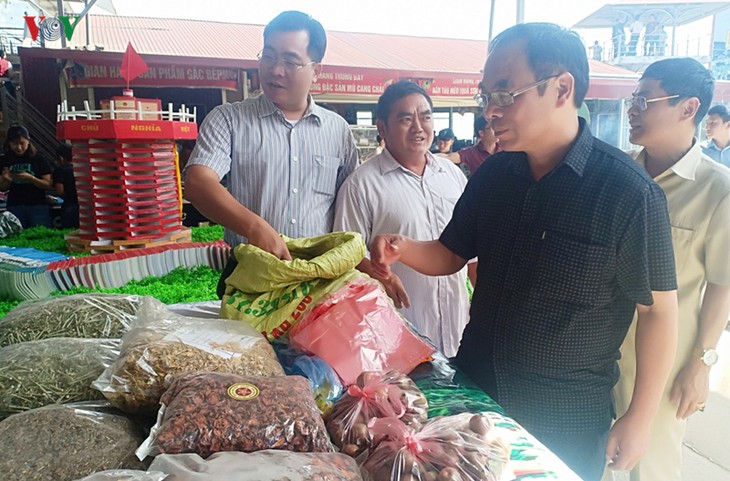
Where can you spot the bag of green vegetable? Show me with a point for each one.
(64, 442)
(91, 315)
(162, 343)
(48, 371)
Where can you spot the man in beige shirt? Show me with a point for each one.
(672, 97)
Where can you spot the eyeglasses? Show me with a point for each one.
(268, 60)
(642, 103)
(504, 98)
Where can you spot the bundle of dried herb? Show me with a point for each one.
(57, 370)
(82, 315)
(67, 442)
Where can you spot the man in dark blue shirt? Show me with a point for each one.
(572, 236)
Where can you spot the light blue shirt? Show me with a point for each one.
(286, 172)
(711, 149)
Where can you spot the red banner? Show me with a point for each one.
(125, 129)
(109, 75)
(365, 83)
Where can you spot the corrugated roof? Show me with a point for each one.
(238, 42)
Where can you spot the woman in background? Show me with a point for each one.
(26, 176)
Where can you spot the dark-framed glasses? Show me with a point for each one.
(642, 103)
(268, 60)
(505, 98)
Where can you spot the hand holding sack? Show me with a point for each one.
(272, 295)
(208, 412)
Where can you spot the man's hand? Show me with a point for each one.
(24, 176)
(266, 238)
(628, 441)
(396, 291)
(384, 252)
(690, 388)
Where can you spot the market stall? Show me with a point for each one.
(81, 385)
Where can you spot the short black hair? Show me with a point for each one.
(551, 50)
(64, 151)
(294, 21)
(685, 77)
(480, 123)
(721, 111)
(378, 138)
(395, 92)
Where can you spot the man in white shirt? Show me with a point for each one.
(408, 190)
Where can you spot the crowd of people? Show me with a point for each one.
(583, 258)
(654, 38)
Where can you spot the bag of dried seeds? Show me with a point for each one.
(268, 465)
(48, 371)
(161, 344)
(64, 442)
(209, 412)
(93, 315)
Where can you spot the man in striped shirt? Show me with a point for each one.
(287, 156)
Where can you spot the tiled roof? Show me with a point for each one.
(241, 42)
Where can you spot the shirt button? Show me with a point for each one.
(294, 190)
(295, 158)
(293, 221)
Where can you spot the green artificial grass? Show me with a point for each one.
(181, 285)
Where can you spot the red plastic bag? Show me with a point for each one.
(358, 329)
(375, 395)
(453, 448)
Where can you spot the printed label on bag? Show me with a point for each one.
(243, 391)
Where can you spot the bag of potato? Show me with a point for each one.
(453, 448)
(209, 412)
(374, 395)
(272, 295)
(161, 344)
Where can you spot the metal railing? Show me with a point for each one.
(17, 110)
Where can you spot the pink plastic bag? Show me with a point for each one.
(358, 329)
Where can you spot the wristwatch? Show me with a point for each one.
(709, 357)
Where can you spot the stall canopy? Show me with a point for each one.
(357, 66)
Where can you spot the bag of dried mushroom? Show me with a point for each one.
(209, 412)
(64, 442)
(268, 465)
(48, 371)
(161, 344)
(92, 315)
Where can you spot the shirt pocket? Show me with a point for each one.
(572, 271)
(325, 175)
(682, 242)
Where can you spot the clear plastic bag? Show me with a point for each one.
(57, 370)
(92, 315)
(161, 344)
(63, 442)
(9, 224)
(453, 448)
(374, 395)
(125, 475)
(268, 465)
(209, 412)
(326, 384)
(358, 329)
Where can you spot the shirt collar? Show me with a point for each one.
(267, 108)
(712, 145)
(577, 156)
(388, 164)
(686, 167)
